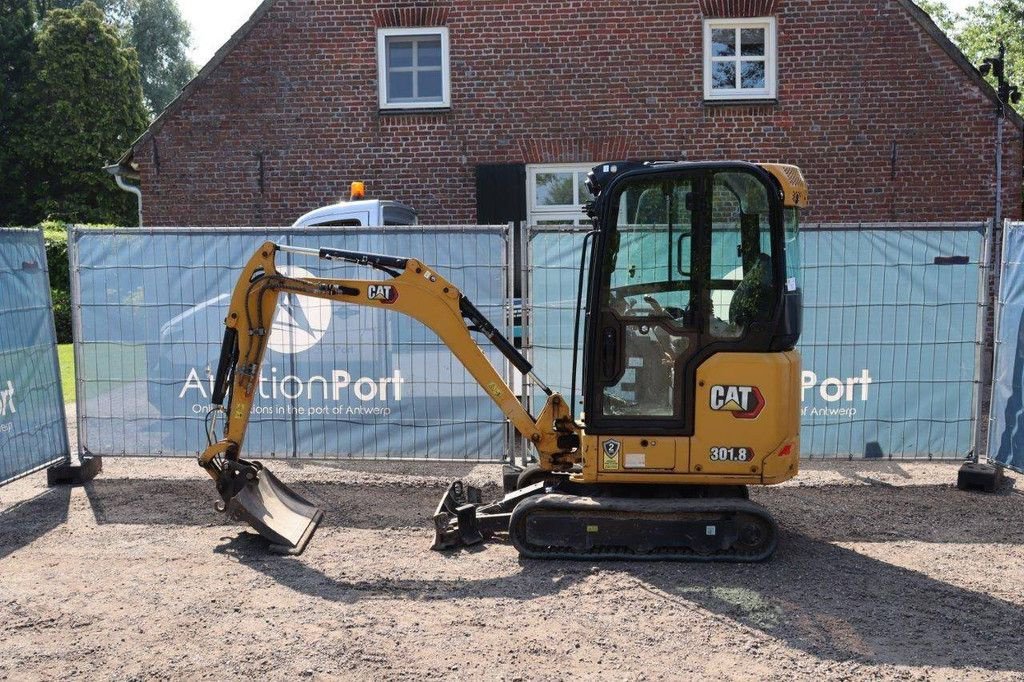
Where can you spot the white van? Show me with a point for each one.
(359, 212)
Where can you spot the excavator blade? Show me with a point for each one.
(273, 509)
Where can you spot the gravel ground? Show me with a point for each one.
(884, 570)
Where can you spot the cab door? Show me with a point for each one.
(646, 308)
(689, 263)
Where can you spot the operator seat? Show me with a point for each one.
(752, 301)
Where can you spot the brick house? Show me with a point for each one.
(486, 111)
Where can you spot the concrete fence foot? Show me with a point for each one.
(984, 477)
(67, 473)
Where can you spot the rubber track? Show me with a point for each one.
(721, 511)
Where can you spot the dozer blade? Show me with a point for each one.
(279, 514)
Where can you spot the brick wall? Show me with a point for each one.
(884, 123)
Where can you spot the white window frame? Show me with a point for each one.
(382, 67)
(569, 212)
(770, 59)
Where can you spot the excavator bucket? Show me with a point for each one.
(273, 509)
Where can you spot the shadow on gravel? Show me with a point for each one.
(30, 520)
(837, 513)
(823, 599)
(838, 604)
(189, 502)
(829, 601)
(884, 513)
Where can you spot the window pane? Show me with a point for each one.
(584, 195)
(646, 277)
(429, 53)
(429, 85)
(752, 40)
(723, 42)
(399, 53)
(723, 75)
(742, 287)
(752, 75)
(399, 86)
(554, 189)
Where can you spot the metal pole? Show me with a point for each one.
(1005, 93)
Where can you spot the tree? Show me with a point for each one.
(160, 36)
(985, 25)
(17, 44)
(944, 17)
(85, 109)
(979, 30)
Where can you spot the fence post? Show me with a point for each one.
(89, 466)
(526, 318)
(974, 475)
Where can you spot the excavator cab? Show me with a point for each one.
(689, 261)
(690, 386)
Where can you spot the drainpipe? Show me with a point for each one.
(120, 172)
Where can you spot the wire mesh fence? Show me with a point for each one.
(339, 381)
(32, 431)
(891, 334)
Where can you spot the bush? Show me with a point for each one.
(55, 235)
(62, 314)
(55, 238)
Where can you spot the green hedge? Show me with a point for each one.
(62, 314)
(55, 236)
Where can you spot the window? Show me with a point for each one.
(739, 58)
(648, 306)
(412, 66)
(741, 286)
(556, 194)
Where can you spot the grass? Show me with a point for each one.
(66, 355)
(123, 362)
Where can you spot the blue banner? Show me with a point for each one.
(1006, 436)
(32, 425)
(338, 381)
(889, 344)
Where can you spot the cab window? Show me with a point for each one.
(741, 282)
(647, 310)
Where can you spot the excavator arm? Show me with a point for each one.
(248, 490)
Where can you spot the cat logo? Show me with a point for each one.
(384, 293)
(611, 454)
(745, 402)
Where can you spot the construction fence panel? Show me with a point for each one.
(890, 341)
(33, 431)
(1006, 435)
(339, 381)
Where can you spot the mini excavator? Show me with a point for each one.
(690, 383)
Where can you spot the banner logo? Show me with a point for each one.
(300, 321)
(745, 402)
(384, 293)
(7, 400)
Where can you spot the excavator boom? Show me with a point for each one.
(249, 491)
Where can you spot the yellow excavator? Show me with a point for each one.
(690, 383)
